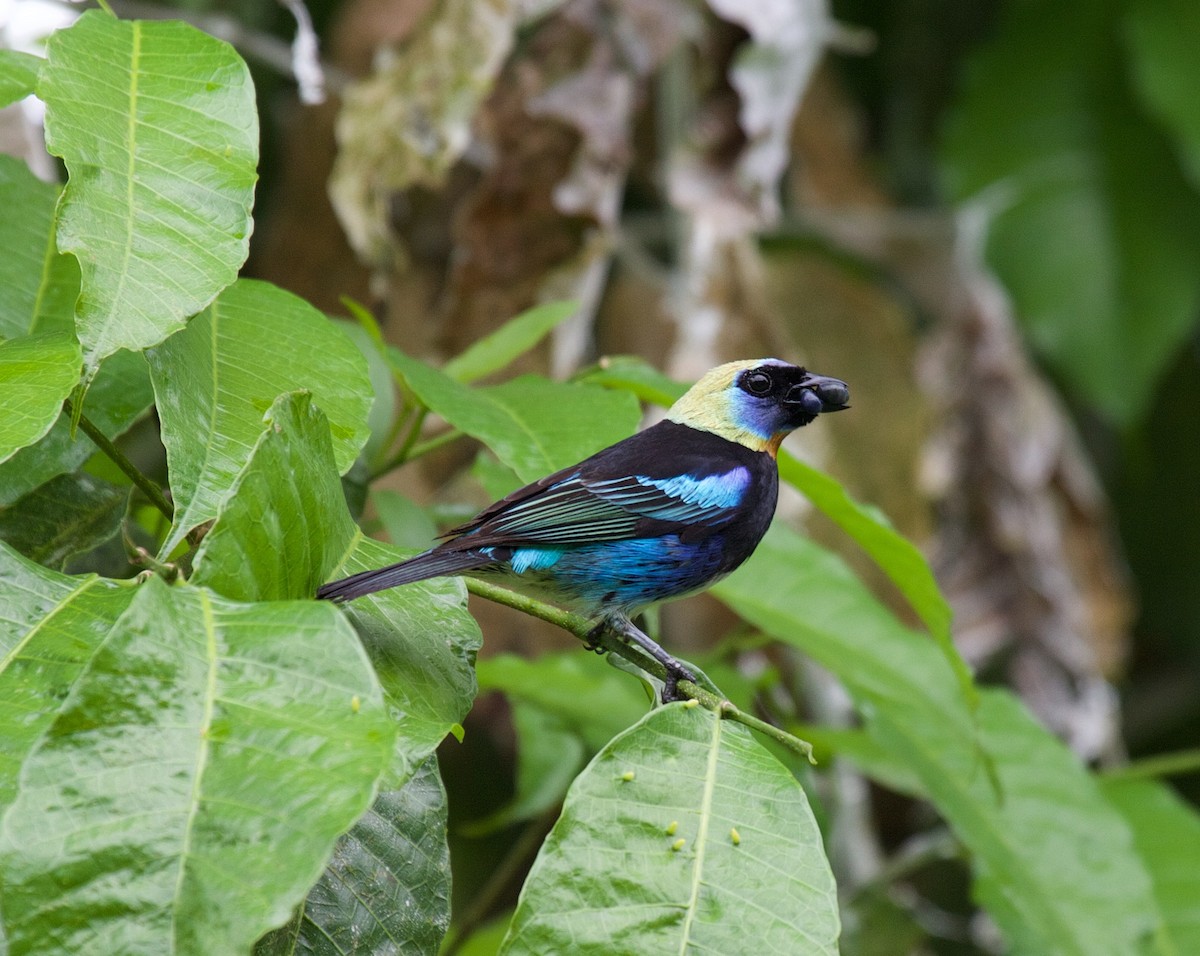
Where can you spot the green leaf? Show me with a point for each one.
(37, 372)
(407, 525)
(157, 125)
(549, 755)
(70, 514)
(191, 787)
(284, 525)
(216, 379)
(383, 386)
(682, 835)
(1055, 866)
(582, 691)
(1161, 40)
(1166, 832)
(895, 555)
(50, 626)
(534, 425)
(422, 642)
(631, 374)
(119, 396)
(38, 286)
(1090, 223)
(387, 888)
(18, 76)
(512, 340)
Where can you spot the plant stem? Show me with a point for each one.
(1160, 765)
(148, 487)
(613, 643)
(437, 441)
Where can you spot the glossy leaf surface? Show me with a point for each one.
(37, 372)
(189, 791)
(70, 514)
(119, 396)
(157, 202)
(216, 379)
(285, 524)
(38, 286)
(387, 888)
(50, 627)
(683, 835)
(18, 75)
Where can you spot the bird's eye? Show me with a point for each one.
(757, 383)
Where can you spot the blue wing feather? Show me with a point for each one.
(576, 510)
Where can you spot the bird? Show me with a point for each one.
(659, 515)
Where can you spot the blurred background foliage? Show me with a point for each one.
(984, 216)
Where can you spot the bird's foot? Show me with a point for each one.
(675, 673)
(592, 642)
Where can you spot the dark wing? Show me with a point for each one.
(620, 493)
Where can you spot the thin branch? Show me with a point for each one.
(613, 643)
(152, 491)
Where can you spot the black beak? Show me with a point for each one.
(819, 393)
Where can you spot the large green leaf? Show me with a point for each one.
(50, 626)
(513, 339)
(1055, 865)
(285, 524)
(422, 641)
(534, 425)
(216, 379)
(36, 373)
(69, 514)
(38, 286)
(119, 396)
(1166, 831)
(18, 75)
(1090, 223)
(191, 788)
(683, 835)
(157, 125)
(387, 888)
(1161, 39)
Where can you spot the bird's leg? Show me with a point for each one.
(675, 671)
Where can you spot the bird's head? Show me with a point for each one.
(758, 403)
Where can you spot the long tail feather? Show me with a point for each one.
(430, 564)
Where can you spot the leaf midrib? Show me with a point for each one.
(710, 778)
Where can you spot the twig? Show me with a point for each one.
(102, 441)
(613, 643)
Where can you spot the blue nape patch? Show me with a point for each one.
(713, 491)
(534, 559)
